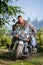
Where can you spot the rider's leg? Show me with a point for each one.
(33, 41)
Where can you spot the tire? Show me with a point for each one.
(18, 52)
(29, 49)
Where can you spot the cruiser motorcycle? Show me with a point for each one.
(24, 48)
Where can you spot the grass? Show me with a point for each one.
(27, 62)
(33, 61)
(8, 58)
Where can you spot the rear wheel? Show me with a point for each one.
(29, 49)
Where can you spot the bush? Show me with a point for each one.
(40, 37)
(5, 40)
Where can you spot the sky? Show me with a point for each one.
(31, 8)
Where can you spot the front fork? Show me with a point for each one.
(20, 48)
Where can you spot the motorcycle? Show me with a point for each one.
(24, 48)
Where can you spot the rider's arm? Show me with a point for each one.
(32, 27)
(14, 31)
(16, 34)
(24, 39)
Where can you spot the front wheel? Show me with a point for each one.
(19, 51)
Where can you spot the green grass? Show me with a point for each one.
(2, 47)
(31, 62)
(7, 58)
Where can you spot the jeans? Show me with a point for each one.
(33, 41)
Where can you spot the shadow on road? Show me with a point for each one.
(7, 56)
(12, 56)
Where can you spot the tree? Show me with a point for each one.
(6, 11)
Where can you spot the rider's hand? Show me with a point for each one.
(16, 35)
(27, 39)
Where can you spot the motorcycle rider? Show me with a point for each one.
(23, 24)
